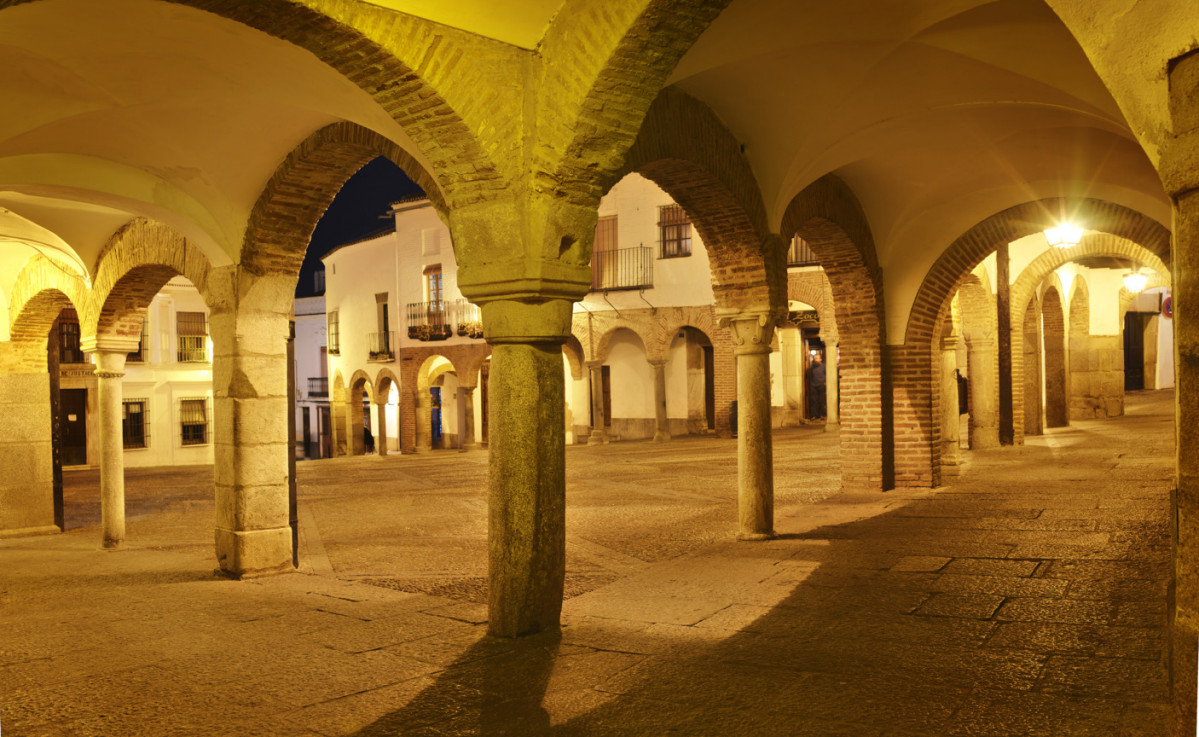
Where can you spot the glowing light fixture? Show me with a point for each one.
(1064, 235)
(1135, 281)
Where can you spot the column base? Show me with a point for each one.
(597, 438)
(113, 544)
(252, 553)
(756, 536)
(661, 437)
(30, 531)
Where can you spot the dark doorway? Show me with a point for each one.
(1134, 350)
(325, 427)
(606, 380)
(709, 387)
(435, 416)
(73, 406)
(484, 374)
(307, 434)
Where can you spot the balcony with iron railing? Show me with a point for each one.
(442, 319)
(192, 349)
(318, 386)
(382, 346)
(623, 268)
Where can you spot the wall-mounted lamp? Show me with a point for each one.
(1135, 281)
(1064, 235)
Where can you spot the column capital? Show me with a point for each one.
(109, 344)
(752, 331)
(593, 365)
(656, 362)
(110, 364)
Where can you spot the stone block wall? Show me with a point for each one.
(27, 483)
(1096, 377)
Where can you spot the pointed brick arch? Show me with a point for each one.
(1014, 223)
(685, 149)
(41, 290)
(1053, 322)
(813, 288)
(829, 217)
(384, 380)
(134, 265)
(597, 59)
(303, 186)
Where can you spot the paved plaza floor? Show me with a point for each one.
(1027, 598)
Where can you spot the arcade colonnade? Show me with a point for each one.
(515, 132)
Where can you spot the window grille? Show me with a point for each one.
(135, 424)
(192, 332)
(800, 253)
(433, 285)
(139, 356)
(675, 231)
(193, 420)
(69, 350)
(333, 334)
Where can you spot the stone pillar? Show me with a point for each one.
(1003, 304)
(337, 418)
(381, 438)
(423, 431)
(984, 393)
(661, 422)
(598, 433)
(355, 442)
(110, 369)
(950, 412)
(250, 397)
(831, 384)
(466, 395)
(527, 483)
(26, 450)
(1184, 592)
(755, 455)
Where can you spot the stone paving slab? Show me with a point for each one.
(1026, 599)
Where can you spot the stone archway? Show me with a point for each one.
(360, 392)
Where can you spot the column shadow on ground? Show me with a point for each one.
(868, 645)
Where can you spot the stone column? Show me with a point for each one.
(110, 369)
(950, 412)
(423, 430)
(27, 504)
(250, 397)
(661, 422)
(598, 433)
(527, 484)
(355, 442)
(381, 438)
(1006, 430)
(755, 455)
(831, 384)
(984, 392)
(466, 395)
(1184, 591)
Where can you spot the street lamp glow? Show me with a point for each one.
(1135, 281)
(1064, 235)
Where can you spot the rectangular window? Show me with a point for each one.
(135, 424)
(139, 356)
(333, 334)
(193, 420)
(675, 230)
(433, 287)
(68, 338)
(191, 329)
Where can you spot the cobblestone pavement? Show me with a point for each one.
(1026, 599)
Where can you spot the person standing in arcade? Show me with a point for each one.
(816, 381)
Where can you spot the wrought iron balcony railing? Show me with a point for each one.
(624, 268)
(192, 349)
(382, 346)
(800, 253)
(440, 320)
(318, 386)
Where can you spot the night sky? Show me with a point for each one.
(359, 210)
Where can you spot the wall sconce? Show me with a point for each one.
(1064, 235)
(1135, 281)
